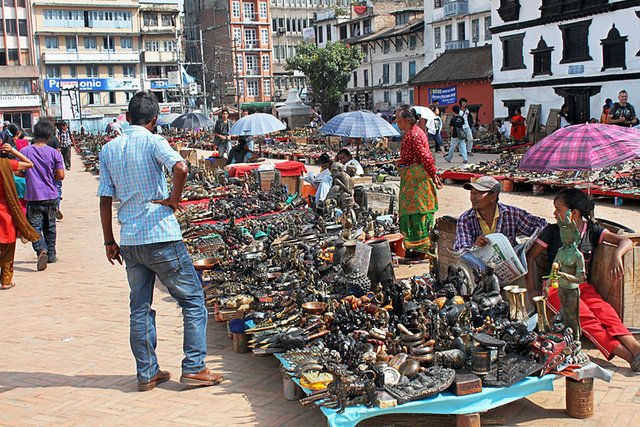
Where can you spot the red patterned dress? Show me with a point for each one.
(418, 197)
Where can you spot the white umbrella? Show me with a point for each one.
(425, 112)
(256, 124)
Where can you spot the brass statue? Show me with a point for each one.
(487, 293)
(570, 275)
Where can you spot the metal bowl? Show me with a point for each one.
(206, 263)
(314, 307)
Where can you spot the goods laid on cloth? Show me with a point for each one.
(192, 121)
(583, 147)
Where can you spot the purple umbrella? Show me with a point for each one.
(583, 148)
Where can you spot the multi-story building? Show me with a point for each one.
(327, 22)
(161, 48)
(292, 23)
(574, 52)
(19, 94)
(89, 58)
(375, 29)
(393, 55)
(455, 24)
(236, 36)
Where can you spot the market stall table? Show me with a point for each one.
(287, 169)
(444, 403)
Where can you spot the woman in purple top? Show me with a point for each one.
(42, 190)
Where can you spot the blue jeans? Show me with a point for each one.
(42, 217)
(170, 262)
(457, 142)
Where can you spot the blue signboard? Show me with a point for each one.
(161, 84)
(92, 84)
(444, 95)
(576, 69)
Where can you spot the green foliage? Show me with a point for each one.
(328, 71)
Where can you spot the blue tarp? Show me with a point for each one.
(443, 403)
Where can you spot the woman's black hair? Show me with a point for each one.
(409, 113)
(224, 110)
(573, 198)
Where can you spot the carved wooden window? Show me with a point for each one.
(542, 59)
(575, 42)
(613, 50)
(512, 52)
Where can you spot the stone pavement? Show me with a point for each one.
(65, 357)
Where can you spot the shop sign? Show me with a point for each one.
(444, 95)
(10, 101)
(92, 84)
(162, 84)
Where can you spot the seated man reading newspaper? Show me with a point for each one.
(490, 227)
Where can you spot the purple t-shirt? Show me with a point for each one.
(41, 181)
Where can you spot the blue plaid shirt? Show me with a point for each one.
(131, 171)
(512, 222)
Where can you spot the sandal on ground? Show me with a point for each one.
(202, 378)
(7, 287)
(43, 258)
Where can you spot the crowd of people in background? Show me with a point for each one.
(31, 190)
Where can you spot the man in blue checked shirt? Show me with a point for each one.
(488, 216)
(132, 171)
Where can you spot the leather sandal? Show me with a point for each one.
(159, 378)
(7, 287)
(42, 261)
(202, 378)
(635, 364)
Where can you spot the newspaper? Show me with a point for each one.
(510, 263)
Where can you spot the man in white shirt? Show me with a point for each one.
(468, 124)
(345, 157)
(323, 181)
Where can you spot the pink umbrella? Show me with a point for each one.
(583, 147)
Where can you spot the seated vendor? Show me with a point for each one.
(488, 216)
(345, 157)
(240, 153)
(323, 181)
(598, 320)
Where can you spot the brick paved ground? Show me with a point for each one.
(65, 356)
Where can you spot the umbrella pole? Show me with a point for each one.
(358, 148)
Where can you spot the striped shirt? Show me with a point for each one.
(131, 170)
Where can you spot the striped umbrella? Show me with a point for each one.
(358, 124)
(585, 147)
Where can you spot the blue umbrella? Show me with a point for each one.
(166, 119)
(358, 124)
(256, 124)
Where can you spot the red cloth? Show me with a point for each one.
(21, 143)
(518, 128)
(7, 227)
(598, 320)
(288, 168)
(415, 149)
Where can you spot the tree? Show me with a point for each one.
(328, 71)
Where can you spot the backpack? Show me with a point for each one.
(458, 122)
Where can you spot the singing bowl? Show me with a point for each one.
(314, 307)
(206, 263)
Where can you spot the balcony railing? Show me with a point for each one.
(456, 8)
(456, 44)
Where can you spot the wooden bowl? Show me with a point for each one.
(206, 263)
(314, 307)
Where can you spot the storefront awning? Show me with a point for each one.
(255, 105)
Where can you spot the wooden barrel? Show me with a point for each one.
(579, 398)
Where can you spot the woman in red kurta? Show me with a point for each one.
(7, 225)
(418, 200)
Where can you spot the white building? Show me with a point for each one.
(577, 52)
(455, 24)
(392, 56)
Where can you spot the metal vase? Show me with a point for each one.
(519, 296)
(380, 265)
(540, 302)
(511, 299)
